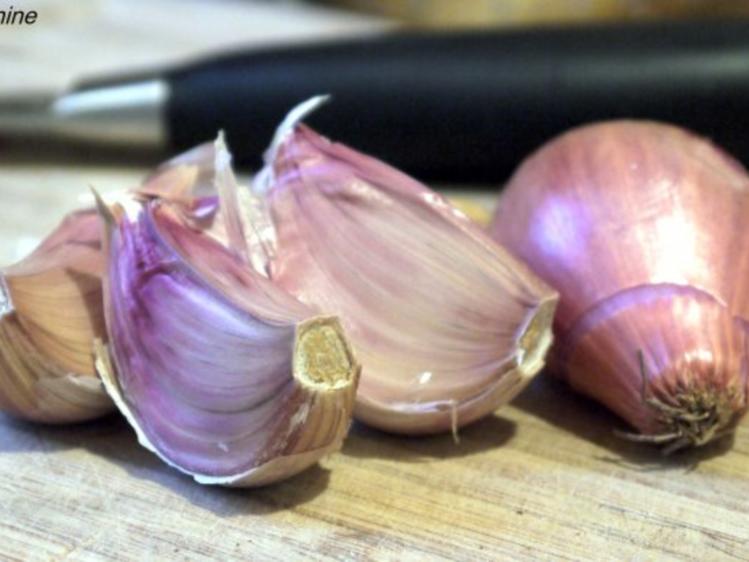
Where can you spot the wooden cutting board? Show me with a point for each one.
(543, 479)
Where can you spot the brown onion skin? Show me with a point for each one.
(641, 227)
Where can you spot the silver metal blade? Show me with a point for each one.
(128, 115)
(25, 114)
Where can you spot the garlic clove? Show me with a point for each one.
(51, 309)
(223, 374)
(639, 225)
(50, 314)
(447, 324)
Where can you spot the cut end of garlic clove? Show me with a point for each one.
(323, 359)
(326, 370)
(537, 338)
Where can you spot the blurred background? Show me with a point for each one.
(81, 38)
(78, 37)
(486, 13)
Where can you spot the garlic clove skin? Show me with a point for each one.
(447, 325)
(184, 178)
(51, 303)
(639, 225)
(222, 374)
(50, 314)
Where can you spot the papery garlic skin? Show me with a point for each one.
(640, 226)
(447, 325)
(50, 315)
(223, 375)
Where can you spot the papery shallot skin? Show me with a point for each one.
(641, 226)
(447, 324)
(50, 314)
(223, 375)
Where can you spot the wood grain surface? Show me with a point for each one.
(543, 479)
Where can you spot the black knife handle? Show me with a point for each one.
(467, 107)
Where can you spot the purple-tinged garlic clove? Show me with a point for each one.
(51, 302)
(224, 375)
(448, 326)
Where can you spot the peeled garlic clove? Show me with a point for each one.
(447, 325)
(640, 226)
(50, 314)
(222, 374)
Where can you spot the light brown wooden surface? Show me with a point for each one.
(543, 479)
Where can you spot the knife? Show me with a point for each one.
(444, 106)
